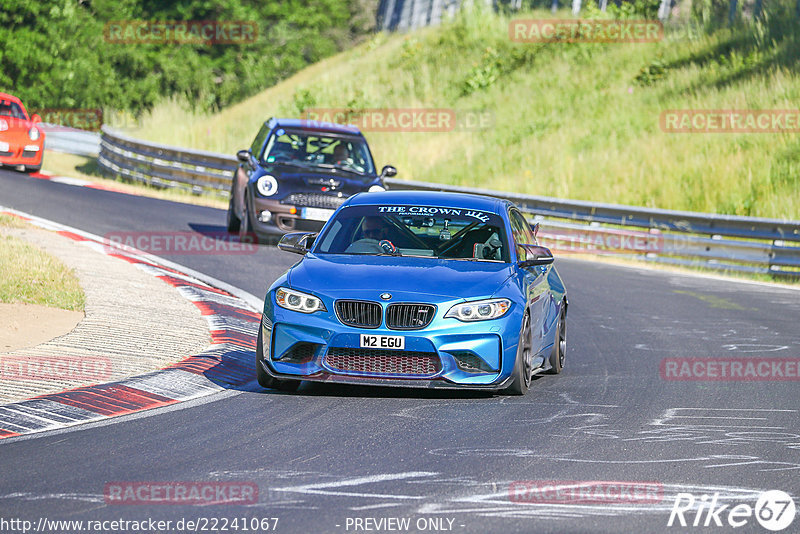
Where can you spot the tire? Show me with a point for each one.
(264, 379)
(559, 345)
(29, 169)
(246, 224)
(524, 361)
(233, 220)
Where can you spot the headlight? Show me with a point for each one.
(33, 133)
(479, 310)
(297, 301)
(376, 188)
(267, 185)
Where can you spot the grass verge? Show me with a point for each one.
(570, 120)
(29, 275)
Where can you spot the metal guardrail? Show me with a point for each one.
(718, 242)
(197, 171)
(71, 140)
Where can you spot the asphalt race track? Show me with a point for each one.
(329, 455)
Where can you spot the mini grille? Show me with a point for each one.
(314, 200)
(359, 313)
(409, 316)
(387, 362)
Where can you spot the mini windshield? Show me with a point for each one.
(425, 231)
(11, 109)
(313, 149)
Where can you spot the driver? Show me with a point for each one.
(374, 227)
(340, 154)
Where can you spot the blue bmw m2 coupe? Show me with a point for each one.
(416, 289)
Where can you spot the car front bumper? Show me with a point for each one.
(19, 150)
(456, 354)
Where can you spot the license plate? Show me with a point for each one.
(370, 341)
(316, 214)
(3, 147)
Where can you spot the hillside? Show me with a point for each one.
(576, 120)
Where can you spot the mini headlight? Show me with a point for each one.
(33, 133)
(298, 301)
(376, 188)
(479, 310)
(267, 185)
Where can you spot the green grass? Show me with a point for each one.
(29, 275)
(577, 121)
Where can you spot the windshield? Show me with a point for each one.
(426, 231)
(312, 149)
(12, 109)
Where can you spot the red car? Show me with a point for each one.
(21, 140)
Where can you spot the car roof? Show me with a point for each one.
(11, 98)
(308, 124)
(431, 198)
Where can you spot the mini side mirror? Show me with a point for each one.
(388, 171)
(297, 242)
(243, 156)
(36, 119)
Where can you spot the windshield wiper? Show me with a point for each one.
(464, 259)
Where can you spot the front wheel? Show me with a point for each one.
(523, 364)
(233, 220)
(246, 224)
(264, 379)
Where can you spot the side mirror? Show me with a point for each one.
(536, 255)
(36, 119)
(297, 242)
(388, 171)
(243, 155)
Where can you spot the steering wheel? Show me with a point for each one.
(387, 246)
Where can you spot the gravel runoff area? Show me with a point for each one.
(133, 323)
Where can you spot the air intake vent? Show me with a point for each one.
(471, 363)
(383, 362)
(409, 316)
(359, 313)
(300, 353)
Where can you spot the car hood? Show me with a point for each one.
(405, 277)
(319, 177)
